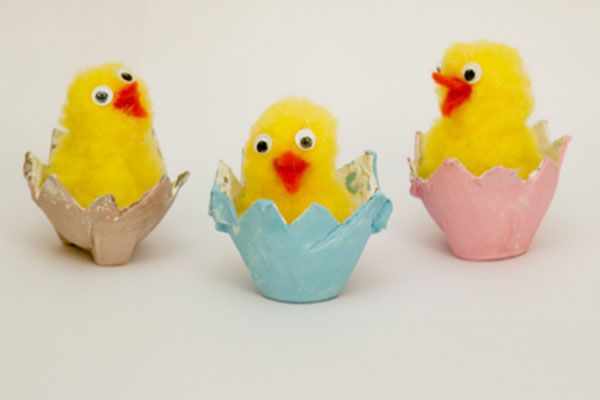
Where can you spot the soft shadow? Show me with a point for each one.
(156, 248)
(231, 271)
(48, 245)
(361, 284)
(371, 275)
(556, 230)
(428, 238)
(73, 252)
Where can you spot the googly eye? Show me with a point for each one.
(102, 95)
(306, 139)
(263, 143)
(471, 72)
(125, 75)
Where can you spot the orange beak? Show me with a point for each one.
(128, 100)
(458, 92)
(290, 169)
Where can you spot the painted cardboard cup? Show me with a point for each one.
(109, 233)
(496, 215)
(311, 259)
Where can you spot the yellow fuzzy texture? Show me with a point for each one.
(320, 183)
(105, 149)
(489, 128)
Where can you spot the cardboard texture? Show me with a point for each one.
(494, 216)
(312, 258)
(109, 233)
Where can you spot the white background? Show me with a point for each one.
(183, 321)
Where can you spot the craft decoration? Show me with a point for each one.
(312, 258)
(105, 187)
(485, 177)
(493, 216)
(299, 224)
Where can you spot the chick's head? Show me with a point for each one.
(483, 79)
(293, 141)
(105, 97)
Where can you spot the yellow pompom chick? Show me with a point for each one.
(108, 145)
(486, 99)
(290, 159)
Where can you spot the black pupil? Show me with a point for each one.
(101, 96)
(469, 74)
(262, 146)
(126, 76)
(306, 142)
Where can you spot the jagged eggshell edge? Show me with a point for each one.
(312, 258)
(109, 233)
(496, 215)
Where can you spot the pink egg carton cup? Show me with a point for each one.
(496, 215)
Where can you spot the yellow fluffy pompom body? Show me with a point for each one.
(290, 159)
(485, 97)
(108, 146)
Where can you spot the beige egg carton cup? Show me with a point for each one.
(109, 233)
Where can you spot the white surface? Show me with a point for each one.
(183, 320)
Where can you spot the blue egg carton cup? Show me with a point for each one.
(311, 259)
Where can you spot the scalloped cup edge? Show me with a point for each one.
(88, 235)
(314, 208)
(449, 162)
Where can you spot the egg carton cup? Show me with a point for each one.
(109, 233)
(496, 215)
(310, 259)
